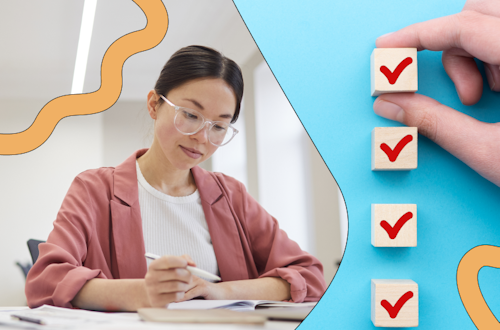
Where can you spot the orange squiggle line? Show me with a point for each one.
(468, 286)
(105, 96)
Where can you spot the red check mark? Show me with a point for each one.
(393, 231)
(393, 311)
(393, 76)
(394, 153)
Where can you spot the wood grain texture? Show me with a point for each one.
(391, 136)
(407, 80)
(392, 291)
(391, 213)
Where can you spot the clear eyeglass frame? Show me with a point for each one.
(178, 109)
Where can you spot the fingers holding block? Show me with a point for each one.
(394, 148)
(394, 225)
(394, 303)
(393, 70)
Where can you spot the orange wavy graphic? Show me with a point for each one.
(468, 286)
(105, 96)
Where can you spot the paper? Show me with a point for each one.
(58, 318)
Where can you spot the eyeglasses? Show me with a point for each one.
(189, 122)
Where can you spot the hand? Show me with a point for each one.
(472, 33)
(208, 290)
(265, 288)
(167, 280)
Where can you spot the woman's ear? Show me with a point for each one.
(152, 104)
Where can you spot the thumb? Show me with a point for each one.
(413, 110)
(472, 141)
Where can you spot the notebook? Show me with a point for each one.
(236, 305)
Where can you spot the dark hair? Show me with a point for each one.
(195, 62)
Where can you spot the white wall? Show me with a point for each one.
(294, 184)
(327, 231)
(281, 158)
(126, 127)
(231, 159)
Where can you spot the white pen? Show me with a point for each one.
(191, 269)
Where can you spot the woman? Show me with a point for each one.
(160, 201)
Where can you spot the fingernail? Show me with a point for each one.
(489, 77)
(388, 110)
(385, 35)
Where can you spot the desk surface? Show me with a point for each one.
(133, 322)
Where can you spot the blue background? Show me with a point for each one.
(320, 52)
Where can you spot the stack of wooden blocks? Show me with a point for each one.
(394, 302)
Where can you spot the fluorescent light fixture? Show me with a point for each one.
(82, 52)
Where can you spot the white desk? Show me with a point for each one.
(131, 321)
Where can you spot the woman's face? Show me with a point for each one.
(212, 97)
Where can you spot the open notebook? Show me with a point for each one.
(236, 305)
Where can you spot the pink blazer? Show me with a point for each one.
(98, 234)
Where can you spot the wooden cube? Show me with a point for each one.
(394, 303)
(393, 70)
(394, 148)
(394, 225)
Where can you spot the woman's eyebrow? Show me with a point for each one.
(195, 103)
(225, 116)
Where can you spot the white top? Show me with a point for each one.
(175, 225)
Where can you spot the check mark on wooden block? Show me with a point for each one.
(393, 231)
(394, 310)
(394, 153)
(393, 76)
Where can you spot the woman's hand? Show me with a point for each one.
(266, 288)
(167, 280)
(472, 33)
(205, 289)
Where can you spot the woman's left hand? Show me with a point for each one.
(205, 289)
(266, 288)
